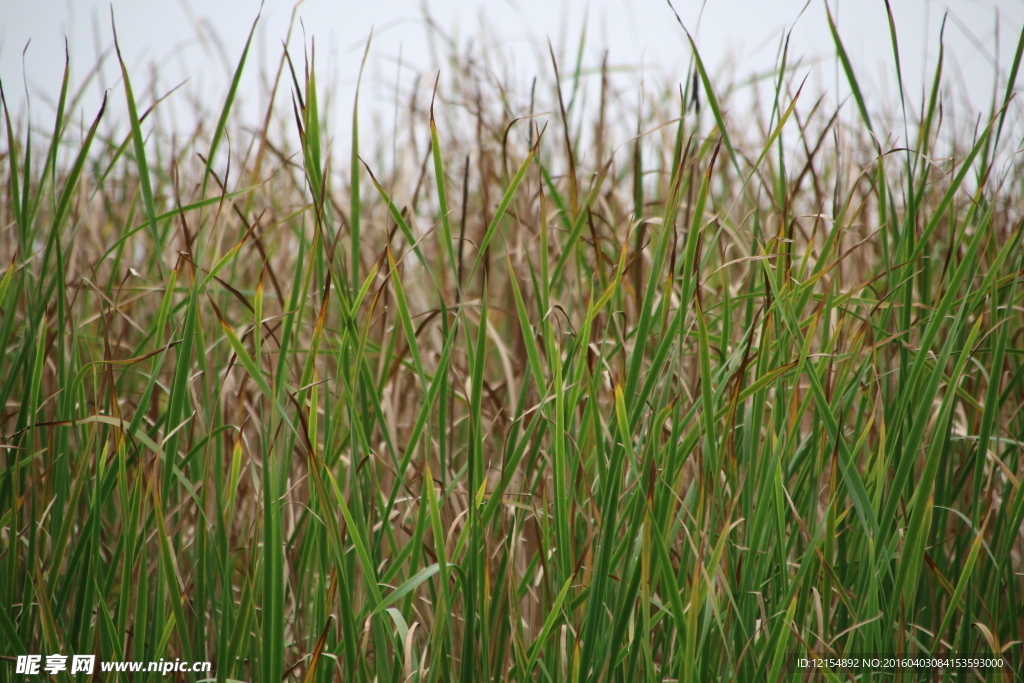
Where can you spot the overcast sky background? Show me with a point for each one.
(176, 35)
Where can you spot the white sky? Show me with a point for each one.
(175, 34)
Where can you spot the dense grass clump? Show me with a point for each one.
(543, 386)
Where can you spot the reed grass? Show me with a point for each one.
(567, 392)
